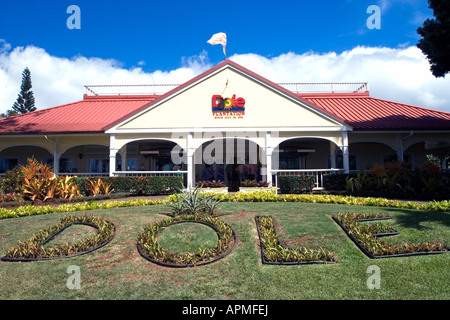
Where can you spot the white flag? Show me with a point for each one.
(219, 38)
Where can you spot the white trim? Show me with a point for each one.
(231, 129)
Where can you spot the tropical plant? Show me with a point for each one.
(211, 184)
(66, 188)
(41, 184)
(357, 184)
(254, 183)
(193, 202)
(35, 169)
(99, 186)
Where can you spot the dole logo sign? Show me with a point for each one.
(228, 108)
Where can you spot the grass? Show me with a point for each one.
(117, 271)
(187, 237)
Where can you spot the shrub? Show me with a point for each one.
(12, 181)
(211, 184)
(254, 183)
(296, 184)
(11, 197)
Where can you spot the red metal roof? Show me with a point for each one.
(363, 112)
(96, 114)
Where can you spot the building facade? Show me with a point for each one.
(226, 116)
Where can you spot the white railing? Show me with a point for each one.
(156, 89)
(149, 173)
(131, 89)
(84, 174)
(318, 173)
(331, 87)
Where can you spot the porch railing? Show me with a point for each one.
(84, 174)
(150, 173)
(318, 173)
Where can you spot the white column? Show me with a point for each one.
(399, 147)
(332, 155)
(56, 158)
(269, 150)
(112, 155)
(123, 155)
(190, 161)
(345, 154)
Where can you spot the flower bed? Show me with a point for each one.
(366, 237)
(149, 247)
(273, 252)
(258, 189)
(34, 250)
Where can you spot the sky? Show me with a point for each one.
(150, 42)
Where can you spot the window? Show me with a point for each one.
(131, 164)
(99, 166)
(291, 161)
(65, 165)
(352, 160)
(8, 164)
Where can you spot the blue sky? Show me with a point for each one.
(161, 33)
(146, 42)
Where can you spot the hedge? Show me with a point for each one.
(137, 185)
(296, 184)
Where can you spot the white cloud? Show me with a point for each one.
(58, 80)
(398, 74)
(401, 75)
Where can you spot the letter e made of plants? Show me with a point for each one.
(374, 280)
(374, 21)
(74, 281)
(74, 20)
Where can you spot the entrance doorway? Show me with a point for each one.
(230, 160)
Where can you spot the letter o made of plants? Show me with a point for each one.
(150, 248)
(34, 250)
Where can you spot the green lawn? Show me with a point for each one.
(117, 271)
